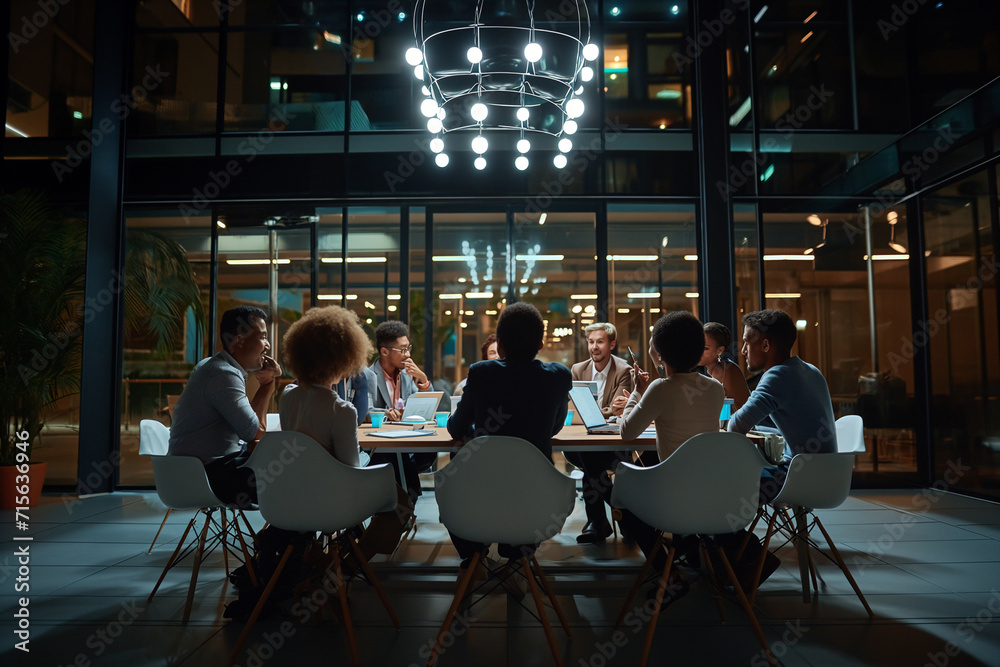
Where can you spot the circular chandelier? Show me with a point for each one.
(515, 66)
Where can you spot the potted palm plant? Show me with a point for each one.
(42, 262)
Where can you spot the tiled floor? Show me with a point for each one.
(928, 562)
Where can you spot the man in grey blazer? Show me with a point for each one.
(393, 378)
(614, 379)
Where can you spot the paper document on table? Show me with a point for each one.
(400, 434)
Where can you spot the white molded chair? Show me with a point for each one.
(477, 502)
(701, 489)
(154, 440)
(181, 484)
(850, 435)
(814, 481)
(302, 487)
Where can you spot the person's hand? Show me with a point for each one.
(414, 371)
(618, 404)
(393, 415)
(268, 372)
(640, 378)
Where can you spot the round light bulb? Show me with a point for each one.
(414, 56)
(437, 145)
(521, 163)
(479, 144)
(428, 107)
(425, 90)
(533, 52)
(570, 127)
(559, 161)
(418, 72)
(523, 146)
(578, 91)
(434, 125)
(590, 52)
(586, 74)
(522, 114)
(474, 54)
(565, 145)
(441, 160)
(480, 163)
(574, 108)
(479, 112)
(440, 113)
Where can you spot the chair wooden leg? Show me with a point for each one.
(802, 547)
(250, 530)
(763, 555)
(198, 555)
(843, 568)
(170, 563)
(551, 595)
(260, 604)
(373, 580)
(463, 585)
(711, 577)
(812, 570)
(345, 610)
(247, 559)
(616, 517)
(746, 539)
(225, 544)
(162, 524)
(638, 582)
(656, 608)
(540, 606)
(746, 606)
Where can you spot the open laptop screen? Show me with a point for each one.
(727, 409)
(584, 401)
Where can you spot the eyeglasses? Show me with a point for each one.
(402, 350)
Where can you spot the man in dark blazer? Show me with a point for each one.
(516, 395)
(393, 378)
(614, 379)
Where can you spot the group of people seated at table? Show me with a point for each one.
(510, 392)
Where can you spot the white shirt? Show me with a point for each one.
(601, 377)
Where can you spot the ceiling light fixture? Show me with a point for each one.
(508, 68)
(893, 218)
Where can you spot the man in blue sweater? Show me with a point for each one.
(791, 392)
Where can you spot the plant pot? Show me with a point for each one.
(8, 485)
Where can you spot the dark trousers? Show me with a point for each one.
(772, 479)
(596, 481)
(645, 536)
(413, 465)
(467, 548)
(230, 483)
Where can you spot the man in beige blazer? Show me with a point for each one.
(614, 379)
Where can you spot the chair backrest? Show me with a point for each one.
(709, 486)
(502, 489)
(154, 438)
(181, 482)
(850, 434)
(817, 481)
(301, 486)
(272, 421)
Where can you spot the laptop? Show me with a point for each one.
(422, 404)
(727, 409)
(591, 385)
(590, 412)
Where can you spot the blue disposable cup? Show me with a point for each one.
(441, 418)
(569, 418)
(378, 418)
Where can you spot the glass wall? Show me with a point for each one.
(167, 294)
(817, 269)
(961, 334)
(50, 79)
